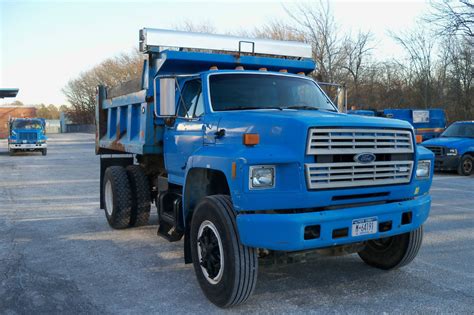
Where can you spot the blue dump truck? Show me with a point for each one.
(428, 124)
(454, 149)
(27, 134)
(243, 155)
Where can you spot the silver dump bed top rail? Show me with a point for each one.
(152, 39)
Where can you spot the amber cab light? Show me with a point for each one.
(419, 138)
(251, 138)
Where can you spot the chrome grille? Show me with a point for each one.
(438, 151)
(337, 175)
(336, 150)
(342, 141)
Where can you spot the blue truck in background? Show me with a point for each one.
(428, 123)
(454, 149)
(27, 134)
(243, 154)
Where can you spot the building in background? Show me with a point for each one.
(7, 112)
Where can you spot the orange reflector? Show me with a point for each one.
(251, 138)
(419, 138)
(234, 170)
(300, 73)
(262, 69)
(284, 70)
(213, 68)
(239, 68)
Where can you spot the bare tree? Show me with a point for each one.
(81, 91)
(190, 26)
(316, 24)
(453, 17)
(460, 77)
(278, 30)
(419, 46)
(357, 51)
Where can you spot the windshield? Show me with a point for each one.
(26, 124)
(263, 91)
(459, 131)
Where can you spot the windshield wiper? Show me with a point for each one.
(307, 107)
(254, 107)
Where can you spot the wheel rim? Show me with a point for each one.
(210, 252)
(467, 166)
(109, 201)
(381, 244)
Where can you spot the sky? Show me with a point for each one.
(44, 44)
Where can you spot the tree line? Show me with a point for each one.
(50, 111)
(437, 70)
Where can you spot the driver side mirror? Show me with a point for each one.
(167, 98)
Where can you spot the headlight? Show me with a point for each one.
(451, 152)
(262, 176)
(423, 169)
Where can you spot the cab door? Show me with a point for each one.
(186, 134)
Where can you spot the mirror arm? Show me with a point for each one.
(180, 98)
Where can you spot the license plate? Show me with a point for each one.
(364, 226)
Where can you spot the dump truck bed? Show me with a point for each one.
(126, 116)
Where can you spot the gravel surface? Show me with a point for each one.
(58, 255)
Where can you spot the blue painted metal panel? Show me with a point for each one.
(181, 62)
(286, 231)
(428, 130)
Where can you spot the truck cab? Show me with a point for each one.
(454, 149)
(27, 134)
(243, 154)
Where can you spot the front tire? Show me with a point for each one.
(466, 165)
(393, 252)
(44, 152)
(225, 269)
(117, 197)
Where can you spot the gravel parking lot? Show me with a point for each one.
(58, 255)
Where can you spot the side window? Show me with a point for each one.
(189, 98)
(199, 106)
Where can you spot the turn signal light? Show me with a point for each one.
(251, 138)
(419, 138)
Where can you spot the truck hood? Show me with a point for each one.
(450, 142)
(290, 127)
(312, 118)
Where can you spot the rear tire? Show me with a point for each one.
(226, 270)
(466, 165)
(141, 197)
(117, 197)
(393, 252)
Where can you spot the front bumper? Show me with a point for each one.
(27, 146)
(286, 231)
(447, 163)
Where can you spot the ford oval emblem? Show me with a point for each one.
(364, 158)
